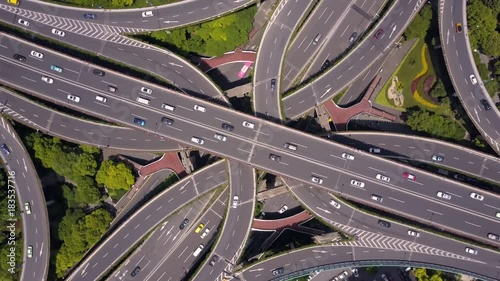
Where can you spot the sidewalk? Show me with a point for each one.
(272, 225)
(341, 116)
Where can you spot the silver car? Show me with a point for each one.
(357, 183)
(220, 137)
(316, 180)
(443, 195)
(347, 156)
(383, 178)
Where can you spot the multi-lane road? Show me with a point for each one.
(146, 218)
(24, 186)
(166, 16)
(463, 72)
(309, 163)
(353, 173)
(369, 51)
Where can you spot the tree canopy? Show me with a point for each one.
(438, 90)
(482, 23)
(437, 125)
(79, 232)
(420, 25)
(115, 175)
(212, 38)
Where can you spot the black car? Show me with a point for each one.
(353, 37)
(273, 84)
(98, 72)
(5, 149)
(278, 271)
(485, 104)
(275, 157)
(135, 271)
(184, 223)
(90, 16)
(167, 120)
(227, 127)
(214, 259)
(384, 223)
(19, 57)
(326, 64)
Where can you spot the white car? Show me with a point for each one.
(470, 251)
(205, 233)
(357, 183)
(74, 98)
(23, 22)
(199, 108)
(147, 14)
(27, 208)
(248, 125)
(29, 252)
(58, 32)
(36, 54)
(476, 196)
(235, 201)
(220, 137)
(493, 236)
(335, 204)
(443, 195)
(355, 272)
(146, 90)
(343, 275)
(376, 198)
(197, 140)
(497, 214)
(347, 156)
(413, 233)
(47, 80)
(316, 180)
(473, 79)
(283, 209)
(383, 178)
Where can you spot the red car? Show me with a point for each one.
(378, 33)
(409, 176)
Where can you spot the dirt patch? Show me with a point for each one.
(414, 84)
(428, 82)
(395, 92)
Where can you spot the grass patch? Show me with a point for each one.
(212, 38)
(112, 4)
(409, 69)
(336, 99)
(117, 194)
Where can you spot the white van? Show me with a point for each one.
(317, 38)
(101, 98)
(290, 146)
(198, 250)
(168, 107)
(143, 100)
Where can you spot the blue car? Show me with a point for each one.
(56, 68)
(5, 149)
(90, 16)
(139, 122)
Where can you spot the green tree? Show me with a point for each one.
(492, 87)
(494, 5)
(115, 175)
(420, 25)
(79, 232)
(497, 68)
(492, 45)
(481, 23)
(86, 191)
(434, 124)
(438, 90)
(420, 274)
(122, 3)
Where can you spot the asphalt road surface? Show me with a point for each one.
(146, 218)
(461, 66)
(23, 185)
(255, 145)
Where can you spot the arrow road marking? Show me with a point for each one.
(393, 29)
(326, 211)
(174, 64)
